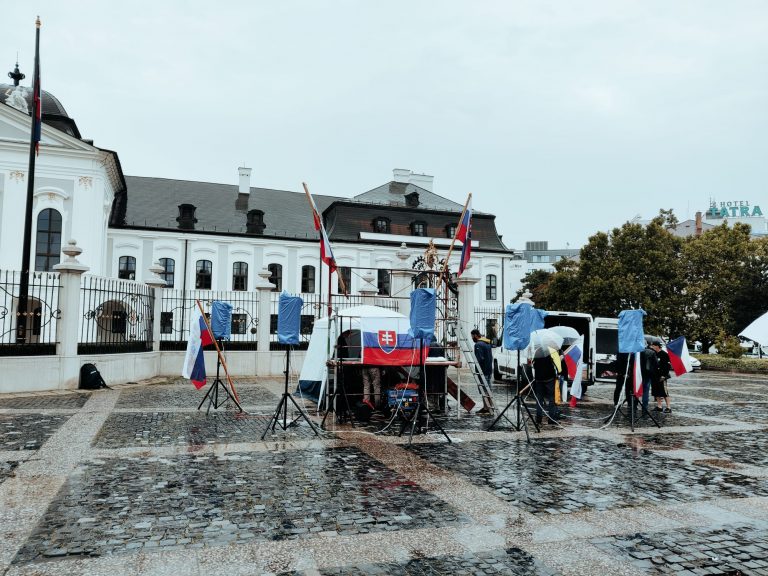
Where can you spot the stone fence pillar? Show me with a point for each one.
(263, 356)
(68, 325)
(401, 281)
(155, 282)
(467, 283)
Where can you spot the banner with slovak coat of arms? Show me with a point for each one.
(386, 342)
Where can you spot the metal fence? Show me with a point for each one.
(316, 306)
(117, 316)
(36, 334)
(177, 307)
(489, 319)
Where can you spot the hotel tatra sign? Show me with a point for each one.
(733, 209)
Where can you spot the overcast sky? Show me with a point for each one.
(562, 118)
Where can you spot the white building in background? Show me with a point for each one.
(219, 236)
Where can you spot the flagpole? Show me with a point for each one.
(453, 241)
(21, 312)
(218, 351)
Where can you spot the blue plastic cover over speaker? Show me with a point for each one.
(221, 320)
(423, 307)
(289, 319)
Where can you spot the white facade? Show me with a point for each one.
(74, 178)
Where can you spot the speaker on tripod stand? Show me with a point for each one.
(288, 330)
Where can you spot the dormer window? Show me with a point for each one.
(412, 199)
(450, 230)
(186, 218)
(381, 225)
(418, 228)
(255, 222)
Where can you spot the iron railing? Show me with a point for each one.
(36, 334)
(489, 319)
(117, 316)
(177, 307)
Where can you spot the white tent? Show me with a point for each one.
(314, 372)
(757, 331)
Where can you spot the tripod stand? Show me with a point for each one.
(629, 400)
(517, 401)
(422, 410)
(212, 394)
(283, 406)
(338, 390)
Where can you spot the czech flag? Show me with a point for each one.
(637, 377)
(194, 361)
(464, 235)
(573, 360)
(678, 356)
(386, 342)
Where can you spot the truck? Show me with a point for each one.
(505, 361)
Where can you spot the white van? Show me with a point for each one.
(606, 348)
(505, 361)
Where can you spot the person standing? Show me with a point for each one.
(484, 356)
(545, 374)
(649, 368)
(372, 387)
(659, 387)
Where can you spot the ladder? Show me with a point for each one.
(467, 349)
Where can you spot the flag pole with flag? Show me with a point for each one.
(194, 360)
(34, 148)
(677, 350)
(463, 234)
(574, 360)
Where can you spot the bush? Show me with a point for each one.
(723, 363)
(728, 346)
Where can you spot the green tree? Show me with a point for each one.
(718, 267)
(535, 282)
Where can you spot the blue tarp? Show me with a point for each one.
(423, 314)
(289, 319)
(221, 320)
(519, 321)
(631, 338)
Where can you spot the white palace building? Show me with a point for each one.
(224, 239)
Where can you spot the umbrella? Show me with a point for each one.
(757, 331)
(569, 334)
(650, 339)
(542, 341)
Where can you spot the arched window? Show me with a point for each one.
(345, 274)
(169, 271)
(126, 268)
(48, 250)
(203, 274)
(308, 279)
(490, 287)
(276, 276)
(240, 276)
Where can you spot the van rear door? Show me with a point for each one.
(606, 348)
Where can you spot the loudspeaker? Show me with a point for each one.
(519, 321)
(289, 319)
(221, 320)
(423, 307)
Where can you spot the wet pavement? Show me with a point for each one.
(137, 480)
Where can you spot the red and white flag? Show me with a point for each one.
(637, 377)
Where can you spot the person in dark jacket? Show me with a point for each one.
(659, 385)
(649, 368)
(484, 355)
(546, 373)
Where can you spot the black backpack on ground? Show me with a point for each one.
(90, 378)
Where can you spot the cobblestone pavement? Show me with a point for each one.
(135, 480)
(27, 431)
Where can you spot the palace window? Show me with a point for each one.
(418, 228)
(276, 276)
(308, 279)
(383, 282)
(169, 270)
(203, 274)
(450, 231)
(240, 276)
(48, 250)
(381, 225)
(126, 268)
(490, 287)
(345, 274)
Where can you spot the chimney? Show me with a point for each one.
(408, 177)
(401, 175)
(698, 224)
(245, 180)
(186, 218)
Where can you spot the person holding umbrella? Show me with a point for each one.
(543, 344)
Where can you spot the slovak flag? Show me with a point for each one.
(637, 377)
(573, 360)
(386, 342)
(326, 252)
(194, 361)
(677, 350)
(464, 235)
